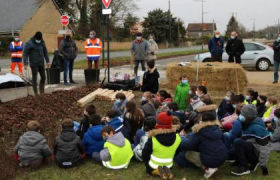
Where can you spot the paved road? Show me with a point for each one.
(5, 63)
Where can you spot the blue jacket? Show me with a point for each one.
(117, 124)
(93, 140)
(120, 107)
(235, 132)
(225, 109)
(208, 139)
(256, 129)
(16, 49)
(214, 48)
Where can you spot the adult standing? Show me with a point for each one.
(139, 49)
(36, 52)
(93, 46)
(216, 47)
(69, 50)
(16, 48)
(235, 48)
(276, 48)
(152, 49)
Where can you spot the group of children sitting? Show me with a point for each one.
(191, 131)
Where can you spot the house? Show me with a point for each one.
(26, 17)
(195, 29)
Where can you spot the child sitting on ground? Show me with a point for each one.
(261, 105)
(251, 97)
(32, 148)
(84, 125)
(161, 147)
(275, 138)
(93, 140)
(271, 105)
(142, 137)
(174, 108)
(68, 147)
(114, 120)
(117, 151)
(206, 148)
(226, 108)
(120, 103)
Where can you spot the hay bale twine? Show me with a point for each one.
(219, 76)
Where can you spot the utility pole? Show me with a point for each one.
(254, 27)
(179, 31)
(213, 27)
(169, 14)
(278, 27)
(202, 34)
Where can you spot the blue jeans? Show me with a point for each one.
(276, 69)
(136, 64)
(68, 66)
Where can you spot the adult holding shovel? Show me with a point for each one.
(35, 53)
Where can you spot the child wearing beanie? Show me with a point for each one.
(253, 147)
(161, 147)
(32, 148)
(206, 148)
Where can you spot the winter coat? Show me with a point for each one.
(225, 109)
(84, 125)
(150, 81)
(139, 49)
(276, 48)
(35, 53)
(208, 140)
(181, 115)
(149, 109)
(256, 133)
(139, 148)
(93, 140)
(120, 107)
(166, 137)
(205, 98)
(152, 47)
(181, 95)
(132, 126)
(118, 124)
(235, 132)
(235, 47)
(68, 147)
(261, 108)
(32, 148)
(68, 49)
(196, 104)
(216, 46)
(275, 138)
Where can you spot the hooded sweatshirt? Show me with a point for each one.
(68, 147)
(32, 148)
(93, 140)
(117, 124)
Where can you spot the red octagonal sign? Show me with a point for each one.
(64, 20)
(106, 3)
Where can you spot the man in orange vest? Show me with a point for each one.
(16, 48)
(93, 47)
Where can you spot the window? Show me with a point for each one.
(251, 47)
(260, 47)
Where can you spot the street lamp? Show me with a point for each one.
(169, 14)
(202, 22)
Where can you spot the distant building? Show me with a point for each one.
(29, 16)
(194, 29)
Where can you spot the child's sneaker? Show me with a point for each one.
(254, 167)
(240, 171)
(160, 172)
(264, 171)
(168, 172)
(209, 172)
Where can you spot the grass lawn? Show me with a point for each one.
(119, 61)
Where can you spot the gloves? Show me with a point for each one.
(16, 157)
(264, 171)
(84, 156)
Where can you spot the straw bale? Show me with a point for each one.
(219, 76)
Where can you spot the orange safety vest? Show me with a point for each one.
(93, 48)
(16, 54)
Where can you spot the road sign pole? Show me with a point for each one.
(103, 35)
(108, 46)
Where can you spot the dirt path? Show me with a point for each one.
(261, 78)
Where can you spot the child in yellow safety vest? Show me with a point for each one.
(161, 147)
(251, 97)
(117, 151)
(271, 105)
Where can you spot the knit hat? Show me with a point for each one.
(209, 116)
(164, 120)
(38, 35)
(249, 111)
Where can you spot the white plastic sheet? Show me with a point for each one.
(10, 78)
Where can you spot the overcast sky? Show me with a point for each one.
(266, 12)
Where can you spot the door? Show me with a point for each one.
(250, 54)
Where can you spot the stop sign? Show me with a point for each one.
(64, 20)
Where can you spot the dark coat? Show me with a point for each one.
(118, 124)
(235, 47)
(261, 109)
(68, 147)
(225, 109)
(84, 125)
(166, 137)
(93, 140)
(208, 139)
(276, 48)
(36, 53)
(68, 49)
(216, 46)
(150, 81)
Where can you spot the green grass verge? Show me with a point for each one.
(119, 61)
(136, 170)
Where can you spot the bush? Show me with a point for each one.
(5, 43)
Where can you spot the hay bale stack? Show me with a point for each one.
(219, 76)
